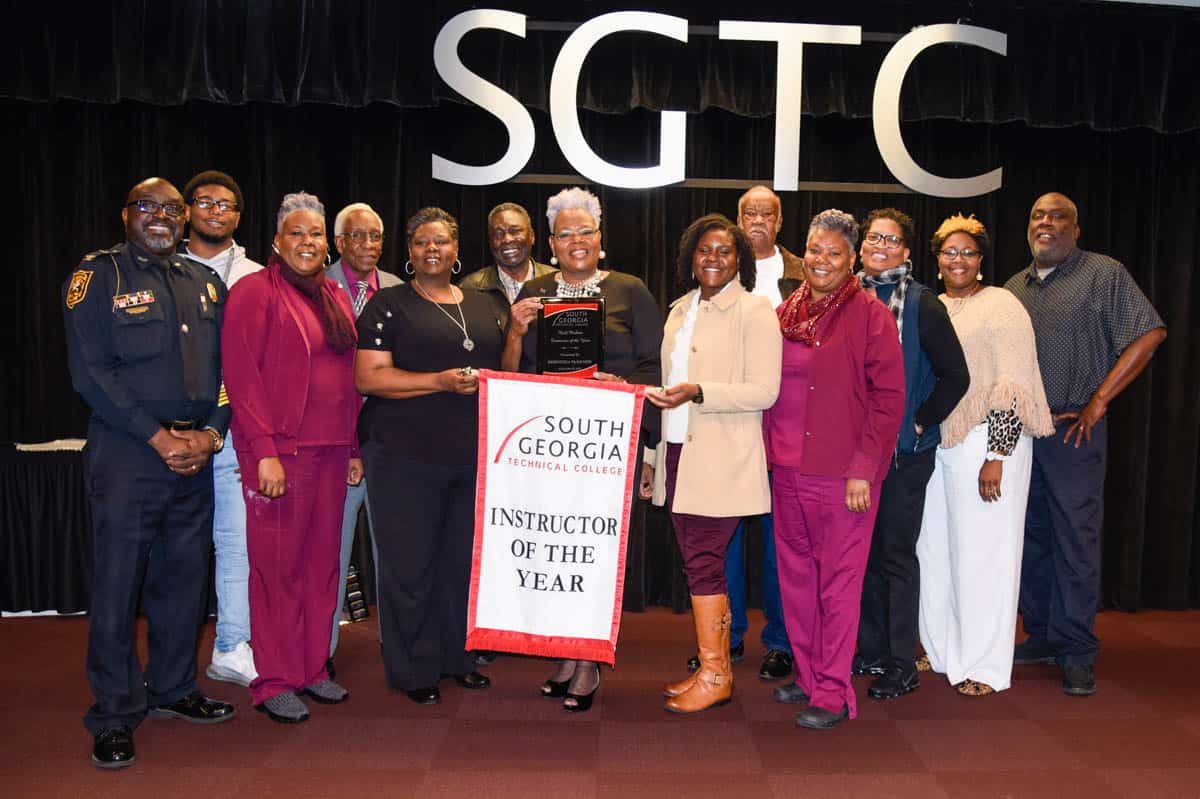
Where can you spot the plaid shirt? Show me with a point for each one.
(1084, 313)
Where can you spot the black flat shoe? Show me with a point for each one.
(1079, 680)
(472, 680)
(790, 694)
(425, 696)
(818, 718)
(113, 748)
(736, 655)
(896, 682)
(195, 708)
(776, 665)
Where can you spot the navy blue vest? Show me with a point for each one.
(919, 379)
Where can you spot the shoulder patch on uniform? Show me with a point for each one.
(78, 287)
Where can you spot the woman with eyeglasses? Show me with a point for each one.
(287, 350)
(829, 438)
(633, 331)
(973, 526)
(935, 378)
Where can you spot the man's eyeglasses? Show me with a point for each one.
(152, 207)
(889, 241)
(952, 253)
(359, 236)
(583, 232)
(224, 206)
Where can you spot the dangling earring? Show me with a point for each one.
(454, 270)
(939, 275)
(979, 276)
(554, 260)
(408, 268)
(603, 254)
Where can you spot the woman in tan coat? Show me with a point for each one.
(721, 359)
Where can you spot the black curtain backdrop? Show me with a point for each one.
(341, 99)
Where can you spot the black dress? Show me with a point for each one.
(419, 455)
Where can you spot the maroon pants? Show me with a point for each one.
(822, 551)
(703, 540)
(293, 543)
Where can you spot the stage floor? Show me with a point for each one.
(1138, 737)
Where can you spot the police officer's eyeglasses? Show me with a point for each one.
(890, 241)
(224, 206)
(152, 207)
(359, 236)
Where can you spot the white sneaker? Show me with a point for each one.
(236, 666)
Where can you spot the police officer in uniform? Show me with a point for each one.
(143, 341)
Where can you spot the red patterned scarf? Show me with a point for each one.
(799, 316)
(339, 330)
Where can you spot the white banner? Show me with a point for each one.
(555, 487)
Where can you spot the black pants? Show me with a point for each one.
(153, 531)
(1060, 566)
(887, 628)
(423, 518)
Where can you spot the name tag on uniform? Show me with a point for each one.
(133, 299)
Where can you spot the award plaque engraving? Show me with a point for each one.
(570, 336)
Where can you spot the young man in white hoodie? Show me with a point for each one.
(215, 202)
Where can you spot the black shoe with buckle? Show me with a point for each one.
(113, 748)
(195, 708)
(776, 665)
(736, 655)
(1079, 680)
(894, 683)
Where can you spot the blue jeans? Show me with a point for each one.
(356, 497)
(774, 634)
(231, 572)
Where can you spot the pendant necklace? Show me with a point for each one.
(467, 343)
(957, 303)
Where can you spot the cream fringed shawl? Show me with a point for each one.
(997, 339)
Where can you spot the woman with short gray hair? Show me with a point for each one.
(829, 439)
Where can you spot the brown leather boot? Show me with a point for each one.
(712, 684)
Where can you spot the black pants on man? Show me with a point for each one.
(153, 532)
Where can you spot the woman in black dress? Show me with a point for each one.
(632, 337)
(421, 344)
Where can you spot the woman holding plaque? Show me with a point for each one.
(721, 348)
(830, 437)
(420, 346)
(632, 336)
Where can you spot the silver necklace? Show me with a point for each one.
(957, 303)
(467, 343)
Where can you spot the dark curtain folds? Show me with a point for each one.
(1103, 65)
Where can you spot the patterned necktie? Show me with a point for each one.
(360, 299)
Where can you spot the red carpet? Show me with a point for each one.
(1138, 737)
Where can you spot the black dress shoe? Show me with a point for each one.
(425, 696)
(790, 694)
(863, 666)
(1079, 680)
(1032, 651)
(736, 655)
(197, 709)
(776, 665)
(818, 718)
(113, 748)
(472, 680)
(894, 683)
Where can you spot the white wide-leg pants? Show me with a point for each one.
(970, 555)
